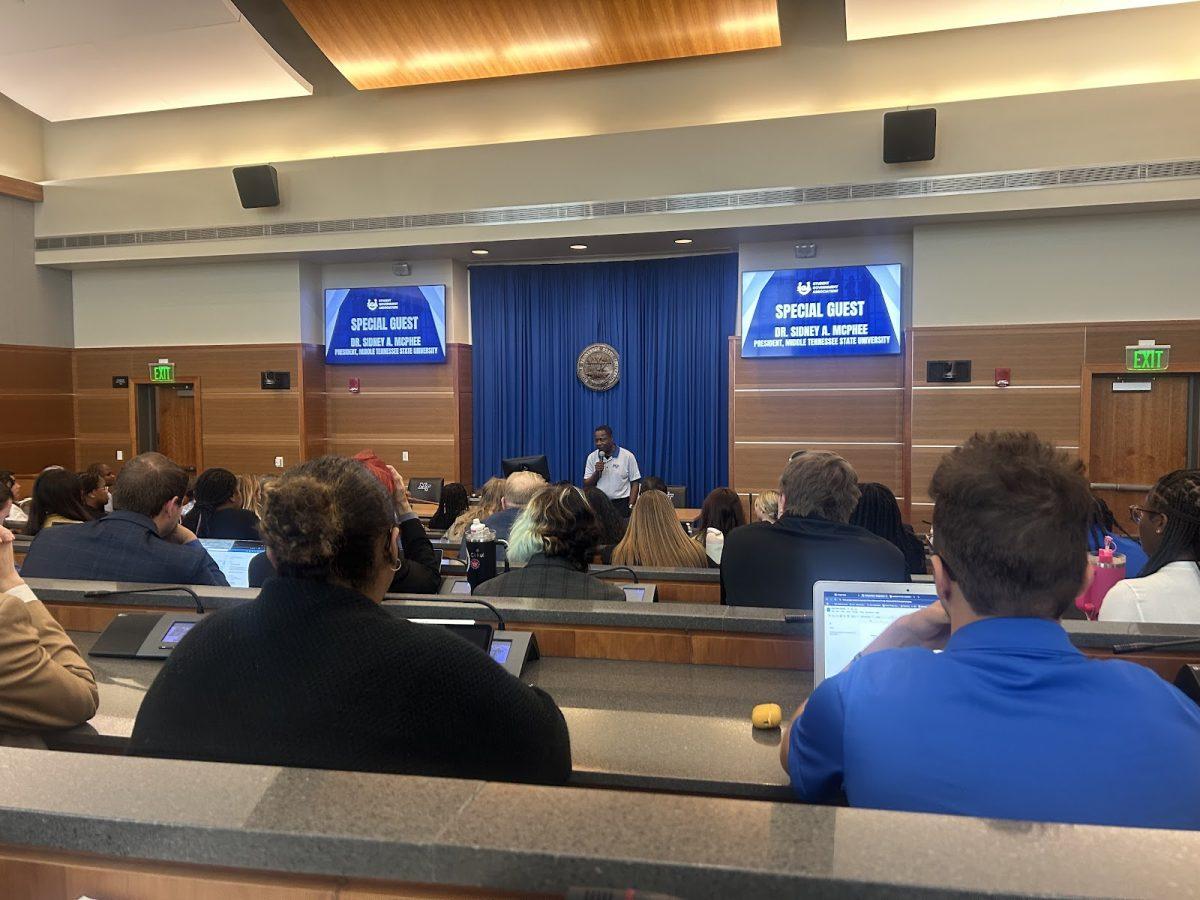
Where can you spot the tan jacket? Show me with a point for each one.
(44, 681)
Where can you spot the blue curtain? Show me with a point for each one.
(670, 321)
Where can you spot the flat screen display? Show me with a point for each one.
(176, 632)
(499, 651)
(233, 558)
(385, 325)
(852, 619)
(839, 311)
(635, 595)
(462, 586)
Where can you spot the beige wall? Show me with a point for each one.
(1085, 269)
(815, 72)
(222, 303)
(20, 142)
(35, 303)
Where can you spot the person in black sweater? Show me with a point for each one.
(879, 513)
(218, 511)
(315, 673)
(418, 571)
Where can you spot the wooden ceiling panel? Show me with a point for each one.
(393, 43)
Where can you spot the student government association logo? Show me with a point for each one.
(599, 367)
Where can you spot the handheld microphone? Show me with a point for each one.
(603, 456)
(89, 595)
(632, 573)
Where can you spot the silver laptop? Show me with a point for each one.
(848, 615)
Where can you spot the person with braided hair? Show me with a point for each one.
(218, 510)
(1168, 523)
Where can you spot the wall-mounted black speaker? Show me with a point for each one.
(909, 135)
(276, 381)
(948, 371)
(257, 186)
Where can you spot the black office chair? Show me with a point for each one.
(678, 495)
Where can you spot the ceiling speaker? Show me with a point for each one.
(909, 136)
(258, 186)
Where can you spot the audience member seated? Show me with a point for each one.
(1169, 587)
(879, 513)
(980, 729)
(141, 540)
(57, 500)
(6, 501)
(315, 673)
(491, 501)
(96, 495)
(15, 515)
(519, 489)
(652, 483)
(250, 492)
(722, 512)
(1104, 524)
(612, 524)
(454, 503)
(766, 506)
(46, 683)
(105, 472)
(554, 540)
(218, 511)
(777, 565)
(417, 569)
(654, 537)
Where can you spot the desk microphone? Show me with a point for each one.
(90, 595)
(1150, 645)
(632, 573)
(495, 612)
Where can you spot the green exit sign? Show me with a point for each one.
(1146, 358)
(162, 372)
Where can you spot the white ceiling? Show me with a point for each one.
(79, 59)
(885, 18)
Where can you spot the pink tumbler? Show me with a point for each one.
(1108, 567)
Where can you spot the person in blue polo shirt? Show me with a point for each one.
(1010, 721)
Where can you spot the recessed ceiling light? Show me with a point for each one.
(579, 246)
(479, 251)
(683, 240)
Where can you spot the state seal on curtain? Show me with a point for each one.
(599, 367)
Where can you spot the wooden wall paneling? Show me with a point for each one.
(732, 349)
(873, 414)
(679, 591)
(906, 479)
(949, 415)
(439, 376)
(253, 456)
(37, 407)
(1036, 354)
(313, 409)
(463, 398)
(1106, 342)
(820, 371)
(758, 466)
(260, 414)
(426, 456)
(102, 414)
(393, 413)
(633, 644)
(716, 649)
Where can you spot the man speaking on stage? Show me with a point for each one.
(614, 470)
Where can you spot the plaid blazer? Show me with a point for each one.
(552, 578)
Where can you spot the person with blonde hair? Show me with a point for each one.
(766, 507)
(553, 541)
(654, 537)
(314, 673)
(491, 500)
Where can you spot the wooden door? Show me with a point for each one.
(1136, 436)
(176, 407)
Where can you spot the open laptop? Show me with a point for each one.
(848, 615)
(233, 558)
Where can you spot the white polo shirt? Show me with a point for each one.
(1169, 596)
(620, 471)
